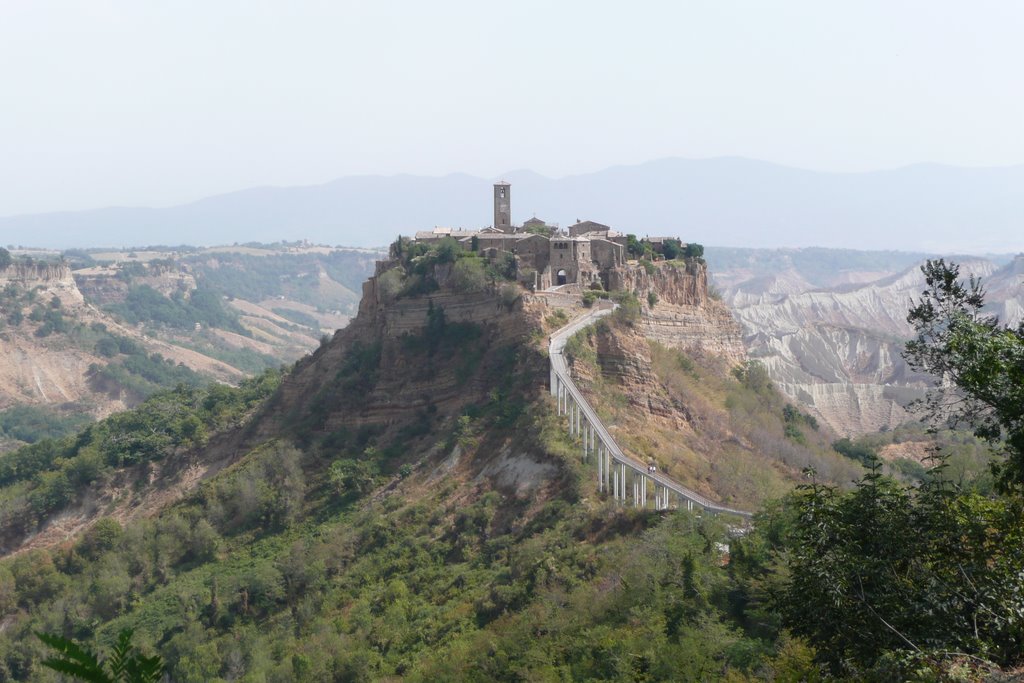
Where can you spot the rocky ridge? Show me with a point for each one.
(838, 348)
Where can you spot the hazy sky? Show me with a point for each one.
(154, 103)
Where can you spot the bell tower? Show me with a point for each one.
(503, 206)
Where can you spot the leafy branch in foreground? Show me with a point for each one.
(979, 363)
(125, 664)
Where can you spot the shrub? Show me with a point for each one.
(652, 299)
(694, 250)
(628, 312)
(853, 450)
(389, 284)
(509, 295)
(468, 275)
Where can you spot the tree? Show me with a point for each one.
(886, 573)
(671, 248)
(5, 258)
(633, 246)
(125, 664)
(978, 362)
(694, 250)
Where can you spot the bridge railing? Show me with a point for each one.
(560, 376)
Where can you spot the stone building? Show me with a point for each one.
(582, 256)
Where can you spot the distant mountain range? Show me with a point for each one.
(724, 201)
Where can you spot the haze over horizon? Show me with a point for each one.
(727, 202)
(152, 105)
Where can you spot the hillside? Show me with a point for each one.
(404, 504)
(830, 325)
(726, 201)
(92, 333)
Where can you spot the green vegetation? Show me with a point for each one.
(29, 423)
(38, 480)
(670, 249)
(420, 265)
(125, 664)
(386, 552)
(263, 575)
(292, 276)
(982, 359)
(5, 258)
(795, 420)
(590, 296)
(629, 311)
(855, 450)
(133, 371)
(890, 583)
(966, 458)
(204, 306)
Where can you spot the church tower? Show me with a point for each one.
(503, 206)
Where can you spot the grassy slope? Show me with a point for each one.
(721, 434)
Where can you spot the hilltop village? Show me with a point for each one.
(549, 256)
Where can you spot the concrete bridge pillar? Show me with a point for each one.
(622, 478)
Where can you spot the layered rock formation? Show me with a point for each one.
(684, 316)
(55, 279)
(838, 349)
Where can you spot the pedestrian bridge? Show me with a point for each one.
(627, 480)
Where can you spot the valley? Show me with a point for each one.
(87, 333)
(829, 325)
(405, 502)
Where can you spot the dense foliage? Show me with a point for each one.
(31, 423)
(40, 479)
(294, 276)
(981, 359)
(885, 578)
(891, 583)
(422, 268)
(367, 553)
(134, 373)
(203, 306)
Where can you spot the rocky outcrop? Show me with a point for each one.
(684, 315)
(699, 330)
(102, 285)
(682, 283)
(54, 278)
(626, 358)
(839, 349)
(398, 374)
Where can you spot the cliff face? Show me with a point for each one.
(685, 316)
(409, 363)
(838, 348)
(55, 279)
